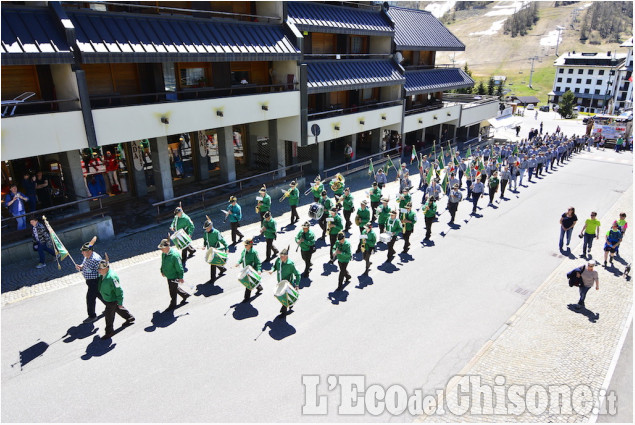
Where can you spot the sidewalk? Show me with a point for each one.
(547, 342)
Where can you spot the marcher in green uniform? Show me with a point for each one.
(430, 213)
(375, 199)
(369, 240)
(172, 270)
(235, 214)
(264, 204)
(183, 221)
(249, 257)
(383, 214)
(294, 200)
(361, 218)
(348, 207)
(337, 185)
(285, 270)
(493, 186)
(112, 295)
(212, 238)
(327, 203)
(409, 219)
(342, 251)
(269, 230)
(317, 189)
(404, 198)
(335, 225)
(394, 227)
(306, 239)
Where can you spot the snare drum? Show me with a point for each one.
(286, 293)
(216, 257)
(385, 237)
(181, 239)
(316, 210)
(249, 277)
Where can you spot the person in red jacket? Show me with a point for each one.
(112, 165)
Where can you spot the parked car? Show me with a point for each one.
(544, 108)
(586, 119)
(530, 107)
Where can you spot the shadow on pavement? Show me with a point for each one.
(279, 328)
(81, 331)
(208, 290)
(32, 353)
(244, 311)
(98, 347)
(388, 268)
(337, 297)
(305, 282)
(163, 319)
(593, 317)
(364, 281)
(329, 268)
(405, 257)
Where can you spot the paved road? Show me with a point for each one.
(622, 384)
(415, 323)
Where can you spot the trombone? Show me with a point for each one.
(285, 195)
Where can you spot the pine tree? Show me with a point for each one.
(481, 88)
(566, 104)
(490, 86)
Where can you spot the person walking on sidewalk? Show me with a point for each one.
(613, 240)
(590, 231)
(112, 294)
(41, 241)
(589, 276)
(89, 268)
(172, 270)
(567, 222)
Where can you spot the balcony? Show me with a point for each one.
(475, 108)
(422, 116)
(340, 122)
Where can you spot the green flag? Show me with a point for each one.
(389, 164)
(371, 169)
(58, 246)
(444, 183)
(515, 150)
(430, 175)
(481, 167)
(499, 159)
(469, 152)
(441, 160)
(434, 148)
(412, 155)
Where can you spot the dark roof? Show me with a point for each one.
(420, 30)
(310, 16)
(584, 95)
(30, 37)
(327, 76)
(118, 37)
(527, 99)
(435, 80)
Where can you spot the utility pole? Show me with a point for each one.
(531, 73)
(560, 29)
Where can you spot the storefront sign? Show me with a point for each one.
(202, 144)
(137, 154)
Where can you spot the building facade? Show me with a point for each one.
(142, 97)
(623, 88)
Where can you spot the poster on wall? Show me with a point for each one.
(137, 154)
(202, 144)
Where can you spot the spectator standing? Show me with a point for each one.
(14, 201)
(41, 240)
(567, 222)
(28, 184)
(43, 189)
(590, 231)
(348, 153)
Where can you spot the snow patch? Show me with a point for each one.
(496, 26)
(438, 9)
(551, 39)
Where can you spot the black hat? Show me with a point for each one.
(268, 214)
(207, 224)
(87, 247)
(306, 224)
(341, 236)
(177, 210)
(249, 241)
(374, 183)
(165, 243)
(323, 192)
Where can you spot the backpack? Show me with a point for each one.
(573, 279)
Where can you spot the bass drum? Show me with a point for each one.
(316, 210)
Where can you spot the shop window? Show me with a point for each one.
(180, 151)
(169, 77)
(105, 170)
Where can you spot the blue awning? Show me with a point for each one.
(420, 30)
(30, 37)
(315, 17)
(328, 76)
(435, 80)
(123, 37)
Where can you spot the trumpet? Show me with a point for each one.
(285, 195)
(358, 220)
(363, 247)
(258, 207)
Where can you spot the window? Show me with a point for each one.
(590, 72)
(567, 89)
(598, 82)
(580, 71)
(561, 71)
(192, 77)
(586, 91)
(559, 80)
(578, 81)
(370, 95)
(601, 72)
(557, 88)
(597, 91)
(589, 81)
(568, 80)
(571, 71)
(359, 45)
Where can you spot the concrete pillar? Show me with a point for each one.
(353, 143)
(226, 154)
(420, 135)
(327, 149)
(137, 177)
(375, 140)
(440, 133)
(199, 156)
(72, 168)
(454, 134)
(277, 150)
(65, 86)
(318, 158)
(161, 168)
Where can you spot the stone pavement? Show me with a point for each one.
(547, 342)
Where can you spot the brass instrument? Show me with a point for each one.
(258, 207)
(363, 247)
(285, 195)
(337, 182)
(358, 220)
(308, 190)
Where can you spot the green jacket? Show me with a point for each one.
(171, 265)
(294, 197)
(337, 225)
(404, 201)
(339, 191)
(109, 288)
(250, 258)
(235, 213)
(394, 227)
(348, 203)
(183, 222)
(286, 271)
(375, 195)
(413, 218)
(372, 238)
(328, 204)
(308, 240)
(317, 190)
(432, 211)
(384, 213)
(266, 203)
(345, 251)
(364, 215)
(270, 228)
(493, 182)
(213, 239)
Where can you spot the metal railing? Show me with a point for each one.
(353, 109)
(46, 107)
(240, 182)
(427, 108)
(41, 212)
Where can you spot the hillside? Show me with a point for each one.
(489, 52)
